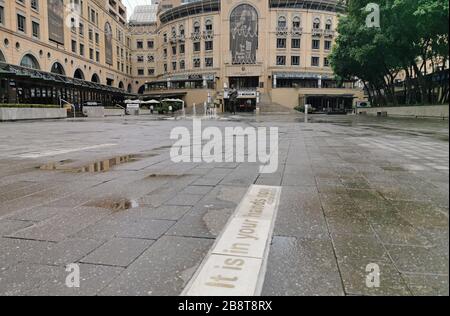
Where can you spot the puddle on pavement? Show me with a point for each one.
(115, 205)
(164, 176)
(393, 168)
(96, 166)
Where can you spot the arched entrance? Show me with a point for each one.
(130, 88)
(95, 78)
(58, 69)
(141, 90)
(121, 85)
(2, 57)
(29, 61)
(78, 74)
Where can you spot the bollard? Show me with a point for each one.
(194, 110)
(306, 113)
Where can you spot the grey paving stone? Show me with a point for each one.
(59, 227)
(418, 259)
(198, 190)
(354, 277)
(301, 267)
(140, 228)
(93, 278)
(119, 252)
(184, 200)
(173, 261)
(14, 251)
(359, 248)
(23, 277)
(39, 213)
(428, 285)
(300, 214)
(10, 226)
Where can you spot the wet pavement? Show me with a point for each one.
(104, 193)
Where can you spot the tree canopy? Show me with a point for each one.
(412, 39)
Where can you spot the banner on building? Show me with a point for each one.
(244, 34)
(56, 21)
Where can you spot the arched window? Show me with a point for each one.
(282, 22)
(329, 24)
(208, 25)
(181, 30)
(58, 69)
(2, 57)
(141, 89)
(78, 74)
(316, 23)
(197, 27)
(29, 61)
(296, 22)
(130, 88)
(174, 32)
(95, 78)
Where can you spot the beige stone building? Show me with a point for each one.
(265, 51)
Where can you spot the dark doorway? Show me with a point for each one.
(244, 82)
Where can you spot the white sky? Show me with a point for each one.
(130, 4)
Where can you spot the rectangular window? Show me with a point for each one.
(182, 48)
(81, 29)
(174, 50)
(327, 45)
(2, 15)
(97, 38)
(151, 72)
(74, 46)
(165, 68)
(182, 64)
(281, 60)
(150, 44)
(91, 54)
(140, 59)
(140, 72)
(315, 44)
(36, 29)
(97, 56)
(315, 61)
(91, 34)
(21, 23)
(150, 59)
(209, 45)
(209, 62)
(295, 60)
(326, 62)
(140, 44)
(281, 43)
(197, 62)
(295, 43)
(174, 66)
(197, 46)
(34, 4)
(82, 49)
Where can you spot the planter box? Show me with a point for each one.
(16, 114)
(94, 111)
(431, 111)
(114, 112)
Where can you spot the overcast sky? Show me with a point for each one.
(130, 4)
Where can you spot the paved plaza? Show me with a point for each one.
(104, 194)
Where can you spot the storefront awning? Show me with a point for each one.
(301, 75)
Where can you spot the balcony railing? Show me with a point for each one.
(296, 31)
(316, 32)
(329, 33)
(196, 36)
(282, 31)
(208, 35)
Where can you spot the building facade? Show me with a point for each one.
(266, 51)
(270, 51)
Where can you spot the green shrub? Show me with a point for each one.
(30, 106)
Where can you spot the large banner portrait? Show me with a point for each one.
(244, 34)
(108, 44)
(56, 21)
